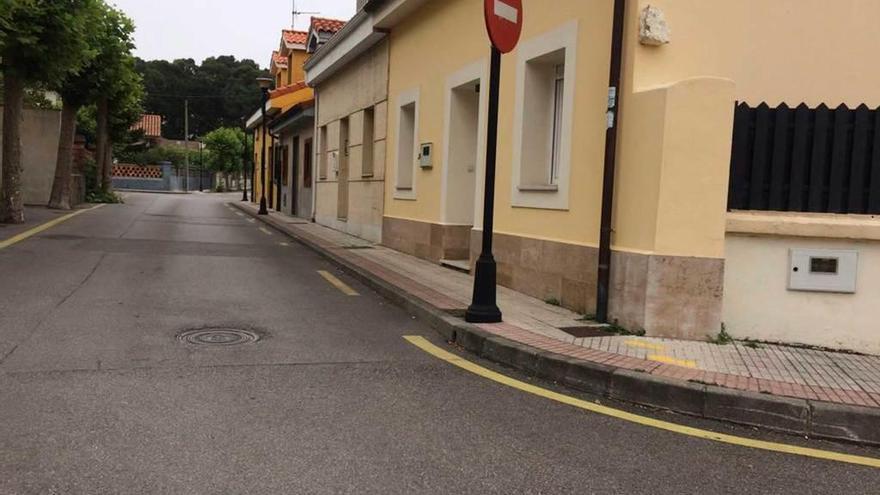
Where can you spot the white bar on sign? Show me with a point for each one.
(506, 11)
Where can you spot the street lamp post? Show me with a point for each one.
(244, 162)
(201, 167)
(265, 83)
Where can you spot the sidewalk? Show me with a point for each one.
(805, 391)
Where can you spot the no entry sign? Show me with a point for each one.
(504, 21)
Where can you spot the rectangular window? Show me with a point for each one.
(367, 147)
(406, 142)
(322, 153)
(307, 164)
(556, 137)
(543, 106)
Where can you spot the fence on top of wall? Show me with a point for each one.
(805, 159)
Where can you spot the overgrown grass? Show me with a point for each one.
(108, 197)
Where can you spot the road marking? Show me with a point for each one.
(46, 226)
(687, 363)
(339, 284)
(251, 220)
(239, 213)
(265, 231)
(644, 345)
(464, 364)
(285, 244)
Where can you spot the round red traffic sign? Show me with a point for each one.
(504, 21)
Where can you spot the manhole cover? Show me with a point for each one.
(218, 336)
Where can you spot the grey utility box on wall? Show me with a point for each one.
(823, 270)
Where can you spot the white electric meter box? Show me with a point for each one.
(426, 155)
(823, 270)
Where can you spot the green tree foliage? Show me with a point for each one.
(225, 147)
(40, 41)
(220, 91)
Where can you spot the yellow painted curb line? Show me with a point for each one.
(339, 284)
(46, 226)
(450, 358)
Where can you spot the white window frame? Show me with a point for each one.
(555, 194)
(406, 98)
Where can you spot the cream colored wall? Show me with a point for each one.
(424, 40)
(811, 51)
(360, 85)
(785, 50)
(758, 305)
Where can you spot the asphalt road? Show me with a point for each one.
(97, 394)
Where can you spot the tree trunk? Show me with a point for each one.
(107, 178)
(60, 198)
(101, 141)
(11, 199)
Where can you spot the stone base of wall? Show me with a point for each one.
(667, 296)
(425, 240)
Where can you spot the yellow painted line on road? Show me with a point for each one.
(285, 244)
(687, 363)
(251, 220)
(265, 231)
(464, 364)
(239, 213)
(339, 284)
(43, 227)
(644, 345)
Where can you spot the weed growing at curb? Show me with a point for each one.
(723, 338)
(552, 301)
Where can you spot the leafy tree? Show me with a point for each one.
(220, 90)
(31, 34)
(225, 147)
(115, 80)
(76, 90)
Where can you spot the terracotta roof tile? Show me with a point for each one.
(279, 60)
(151, 124)
(284, 90)
(326, 25)
(294, 37)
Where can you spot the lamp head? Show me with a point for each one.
(265, 83)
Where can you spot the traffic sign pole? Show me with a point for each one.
(504, 21)
(484, 306)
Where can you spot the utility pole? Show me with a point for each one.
(186, 144)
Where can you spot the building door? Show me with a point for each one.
(294, 178)
(342, 180)
(464, 125)
(307, 178)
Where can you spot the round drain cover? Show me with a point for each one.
(218, 336)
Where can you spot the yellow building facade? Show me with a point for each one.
(679, 258)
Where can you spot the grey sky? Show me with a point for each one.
(170, 29)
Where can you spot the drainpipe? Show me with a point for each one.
(316, 146)
(614, 97)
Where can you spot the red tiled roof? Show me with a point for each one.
(279, 60)
(326, 25)
(151, 124)
(284, 90)
(294, 37)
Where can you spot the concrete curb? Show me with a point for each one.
(801, 417)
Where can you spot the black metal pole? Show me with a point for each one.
(263, 210)
(614, 94)
(244, 164)
(201, 169)
(484, 307)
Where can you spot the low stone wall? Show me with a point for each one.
(160, 177)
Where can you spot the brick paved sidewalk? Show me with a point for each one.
(773, 369)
